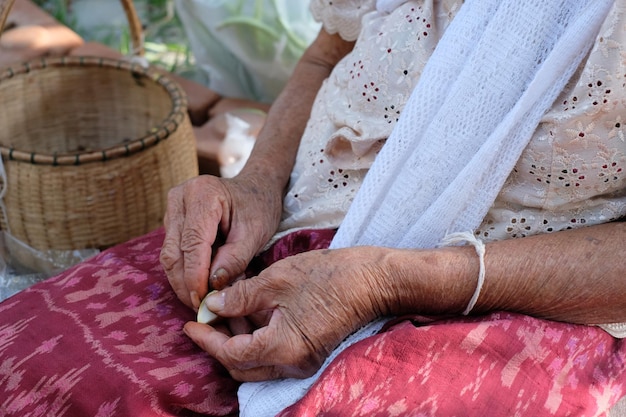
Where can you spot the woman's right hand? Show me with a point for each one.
(213, 228)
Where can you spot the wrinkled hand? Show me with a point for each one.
(316, 299)
(213, 228)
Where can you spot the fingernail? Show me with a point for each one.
(215, 301)
(220, 274)
(219, 279)
(195, 299)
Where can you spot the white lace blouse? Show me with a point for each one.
(571, 174)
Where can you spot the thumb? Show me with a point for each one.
(229, 263)
(244, 298)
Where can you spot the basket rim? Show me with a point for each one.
(158, 133)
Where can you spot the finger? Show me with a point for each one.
(233, 352)
(197, 237)
(240, 325)
(232, 258)
(223, 328)
(248, 297)
(265, 373)
(221, 278)
(213, 342)
(208, 338)
(171, 256)
(225, 349)
(260, 319)
(252, 357)
(230, 261)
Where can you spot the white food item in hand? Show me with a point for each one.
(206, 316)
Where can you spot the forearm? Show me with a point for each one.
(576, 276)
(275, 150)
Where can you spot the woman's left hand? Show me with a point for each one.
(316, 299)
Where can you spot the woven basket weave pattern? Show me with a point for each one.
(91, 147)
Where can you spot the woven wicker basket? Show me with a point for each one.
(91, 147)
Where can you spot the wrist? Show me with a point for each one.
(262, 175)
(436, 281)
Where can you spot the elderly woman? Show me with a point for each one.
(407, 129)
(561, 185)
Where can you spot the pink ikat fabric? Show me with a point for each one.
(502, 364)
(105, 339)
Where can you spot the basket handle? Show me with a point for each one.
(136, 29)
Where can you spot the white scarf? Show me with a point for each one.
(478, 102)
(498, 68)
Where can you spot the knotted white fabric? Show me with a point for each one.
(498, 68)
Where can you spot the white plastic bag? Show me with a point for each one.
(22, 266)
(236, 146)
(247, 48)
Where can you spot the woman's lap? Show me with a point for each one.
(500, 364)
(105, 338)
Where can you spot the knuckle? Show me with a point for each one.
(168, 258)
(191, 239)
(302, 361)
(174, 195)
(241, 295)
(296, 358)
(238, 260)
(238, 358)
(237, 375)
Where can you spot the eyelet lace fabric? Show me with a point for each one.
(570, 175)
(343, 17)
(342, 140)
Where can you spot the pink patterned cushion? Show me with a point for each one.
(104, 338)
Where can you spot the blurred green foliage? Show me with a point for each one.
(165, 41)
